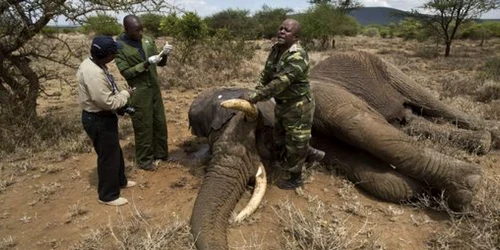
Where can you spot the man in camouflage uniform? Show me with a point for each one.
(137, 61)
(286, 78)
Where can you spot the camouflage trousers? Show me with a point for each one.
(292, 132)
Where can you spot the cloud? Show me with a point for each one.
(201, 7)
(376, 3)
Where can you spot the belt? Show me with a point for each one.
(101, 113)
(292, 100)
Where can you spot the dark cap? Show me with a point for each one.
(103, 46)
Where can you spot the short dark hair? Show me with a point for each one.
(102, 46)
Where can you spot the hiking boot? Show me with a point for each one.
(315, 155)
(293, 182)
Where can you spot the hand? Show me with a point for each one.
(154, 59)
(248, 96)
(131, 90)
(167, 48)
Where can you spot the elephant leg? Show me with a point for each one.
(423, 102)
(341, 114)
(367, 172)
(473, 141)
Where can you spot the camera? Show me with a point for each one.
(126, 109)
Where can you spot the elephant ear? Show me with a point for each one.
(266, 111)
(206, 113)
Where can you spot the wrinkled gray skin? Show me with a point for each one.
(360, 103)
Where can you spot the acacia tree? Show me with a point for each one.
(444, 17)
(325, 20)
(27, 57)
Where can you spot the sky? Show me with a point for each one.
(209, 7)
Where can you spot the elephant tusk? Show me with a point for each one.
(249, 109)
(258, 194)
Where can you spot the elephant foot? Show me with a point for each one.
(460, 195)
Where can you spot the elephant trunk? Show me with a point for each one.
(347, 117)
(216, 200)
(234, 162)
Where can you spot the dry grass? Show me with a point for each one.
(318, 228)
(60, 133)
(489, 91)
(479, 229)
(138, 233)
(8, 243)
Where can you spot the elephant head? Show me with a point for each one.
(240, 144)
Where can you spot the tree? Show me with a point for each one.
(189, 30)
(444, 17)
(324, 21)
(237, 22)
(268, 20)
(344, 6)
(151, 23)
(102, 24)
(27, 56)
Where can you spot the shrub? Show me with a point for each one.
(151, 23)
(41, 134)
(371, 32)
(102, 25)
(492, 69)
(488, 92)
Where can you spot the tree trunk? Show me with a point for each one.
(448, 49)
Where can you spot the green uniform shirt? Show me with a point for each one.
(131, 62)
(284, 77)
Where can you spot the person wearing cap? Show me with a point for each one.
(137, 60)
(100, 98)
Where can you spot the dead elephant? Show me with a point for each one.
(361, 102)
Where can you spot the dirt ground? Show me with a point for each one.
(54, 204)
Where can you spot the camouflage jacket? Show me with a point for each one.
(284, 77)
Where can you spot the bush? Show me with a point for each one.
(151, 23)
(371, 32)
(492, 69)
(189, 30)
(41, 134)
(268, 21)
(221, 54)
(237, 22)
(490, 91)
(102, 25)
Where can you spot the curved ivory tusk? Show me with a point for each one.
(249, 109)
(258, 194)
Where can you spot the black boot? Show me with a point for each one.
(295, 181)
(314, 155)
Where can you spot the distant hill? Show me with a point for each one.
(377, 15)
(384, 15)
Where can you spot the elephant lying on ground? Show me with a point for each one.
(361, 102)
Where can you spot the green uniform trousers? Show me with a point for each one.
(292, 131)
(150, 125)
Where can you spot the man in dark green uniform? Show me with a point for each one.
(286, 78)
(137, 61)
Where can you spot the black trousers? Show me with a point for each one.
(102, 128)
